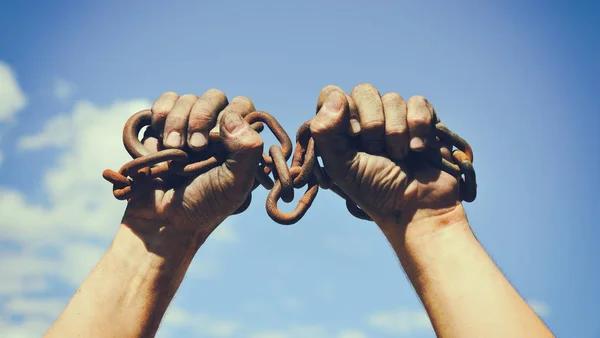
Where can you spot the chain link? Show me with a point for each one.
(171, 167)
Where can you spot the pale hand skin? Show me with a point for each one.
(417, 208)
(128, 292)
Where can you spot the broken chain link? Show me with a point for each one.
(170, 167)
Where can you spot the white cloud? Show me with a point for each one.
(270, 334)
(12, 99)
(64, 237)
(541, 308)
(43, 308)
(1, 157)
(200, 324)
(63, 89)
(225, 233)
(28, 328)
(56, 133)
(297, 331)
(401, 321)
(38, 315)
(351, 334)
(203, 268)
(75, 189)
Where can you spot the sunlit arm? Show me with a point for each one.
(463, 291)
(129, 290)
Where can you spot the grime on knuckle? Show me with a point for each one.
(169, 95)
(329, 88)
(161, 109)
(393, 98)
(373, 125)
(396, 133)
(418, 120)
(242, 102)
(215, 96)
(188, 98)
(364, 87)
(418, 100)
(201, 121)
(215, 92)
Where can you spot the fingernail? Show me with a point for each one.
(173, 139)
(354, 126)
(197, 140)
(233, 122)
(417, 144)
(334, 101)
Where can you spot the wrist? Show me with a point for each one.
(423, 227)
(155, 245)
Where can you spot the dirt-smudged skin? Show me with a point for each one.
(173, 166)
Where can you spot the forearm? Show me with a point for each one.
(129, 290)
(463, 291)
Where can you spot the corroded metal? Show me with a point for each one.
(173, 166)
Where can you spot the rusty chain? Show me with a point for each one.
(172, 166)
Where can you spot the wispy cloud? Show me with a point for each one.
(56, 133)
(540, 307)
(225, 233)
(313, 331)
(62, 239)
(296, 331)
(200, 324)
(351, 334)
(400, 321)
(63, 89)
(12, 98)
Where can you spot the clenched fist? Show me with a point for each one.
(198, 206)
(370, 144)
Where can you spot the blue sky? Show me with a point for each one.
(517, 79)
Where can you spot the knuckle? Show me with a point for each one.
(330, 88)
(364, 87)
(200, 121)
(373, 125)
(161, 109)
(165, 103)
(392, 98)
(242, 103)
(202, 113)
(169, 95)
(253, 142)
(242, 100)
(396, 133)
(175, 122)
(215, 94)
(417, 120)
(418, 100)
(319, 127)
(324, 94)
(188, 98)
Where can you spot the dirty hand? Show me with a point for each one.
(198, 206)
(368, 144)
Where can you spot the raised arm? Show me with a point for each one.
(129, 290)
(417, 208)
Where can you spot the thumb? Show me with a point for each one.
(329, 130)
(244, 147)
